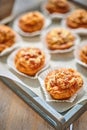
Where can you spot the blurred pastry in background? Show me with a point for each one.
(57, 6)
(63, 83)
(59, 39)
(29, 60)
(31, 22)
(77, 19)
(7, 37)
(83, 54)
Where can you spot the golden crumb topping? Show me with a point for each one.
(60, 38)
(83, 54)
(29, 60)
(6, 34)
(59, 3)
(63, 79)
(31, 57)
(31, 21)
(60, 6)
(7, 37)
(84, 50)
(32, 18)
(77, 18)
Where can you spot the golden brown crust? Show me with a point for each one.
(29, 60)
(58, 6)
(31, 22)
(63, 83)
(7, 37)
(77, 19)
(59, 39)
(83, 54)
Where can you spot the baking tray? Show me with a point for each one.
(34, 97)
(31, 92)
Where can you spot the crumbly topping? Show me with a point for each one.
(84, 50)
(6, 34)
(79, 17)
(32, 18)
(58, 3)
(31, 57)
(63, 78)
(59, 36)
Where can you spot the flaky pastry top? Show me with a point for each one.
(77, 18)
(84, 50)
(31, 18)
(59, 3)
(30, 57)
(60, 39)
(83, 54)
(63, 79)
(6, 34)
(58, 6)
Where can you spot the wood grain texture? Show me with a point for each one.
(81, 123)
(15, 114)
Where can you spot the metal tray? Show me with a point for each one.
(34, 97)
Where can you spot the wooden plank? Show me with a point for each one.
(15, 114)
(81, 123)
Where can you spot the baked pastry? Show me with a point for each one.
(77, 19)
(63, 83)
(58, 6)
(83, 54)
(7, 37)
(31, 22)
(59, 39)
(29, 60)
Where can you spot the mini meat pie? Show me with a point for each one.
(59, 39)
(29, 60)
(77, 19)
(31, 22)
(63, 83)
(83, 54)
(7, 37)
(57, 6)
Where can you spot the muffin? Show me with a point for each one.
(31, 22)
(7, 37)
(59, 39)
(29, 60)
(83, 54)
(77, 19)
(57, 6)
(63, 83)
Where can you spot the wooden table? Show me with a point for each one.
(15, 114)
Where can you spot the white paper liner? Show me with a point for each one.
(10, 62)
(55, 15)
(77, 52)
(18, 40)
(43, 39)
(80, 31)
(26, 34)
(48, 98)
